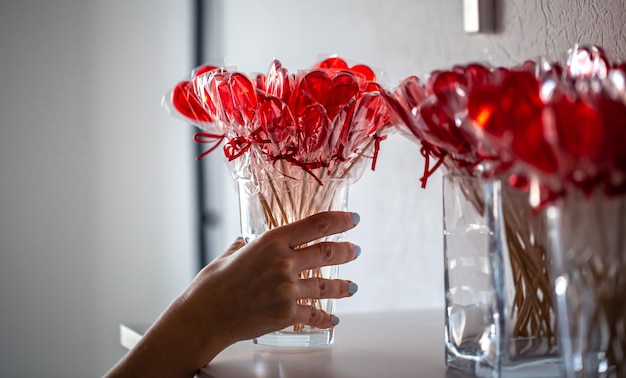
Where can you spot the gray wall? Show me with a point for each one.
(96, 180)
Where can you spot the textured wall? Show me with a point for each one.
(401, 265)
(430, 33)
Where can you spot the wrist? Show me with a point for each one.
(194, 330)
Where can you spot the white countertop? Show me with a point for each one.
(381, 345)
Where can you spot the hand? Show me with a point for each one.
(259, 284)
(248, 291)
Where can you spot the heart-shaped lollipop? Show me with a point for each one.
(186, 103)
(344, 87)
(244, 99)
(314, 125)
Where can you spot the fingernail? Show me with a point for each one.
(334, 320)
(352, 288)
(357, 251)
(239, 238)
(356, 218)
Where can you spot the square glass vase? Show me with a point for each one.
(588, 235)
(500, 313)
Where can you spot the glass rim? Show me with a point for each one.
(457, 175)
(294, 179)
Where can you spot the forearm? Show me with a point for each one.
(247, 292)
(177, 345)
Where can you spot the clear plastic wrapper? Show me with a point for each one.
(326, 121)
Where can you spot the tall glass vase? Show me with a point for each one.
(588, 234)
(500, 314)
(272, 202)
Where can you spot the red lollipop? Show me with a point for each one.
(277, 122)
(578, 127)
(339, 131)
(344, 87)
(364, 72)
(279, 82)
(202, 70)
(314, 130)
(444, 84)
(318, 84)
(243, 97)
(477, 75)
(332, 63)
(411, 92)
(368, 118)
(186, 103)
(512, 113)
(314, 87)
(579, 136)
(449, 88)
(441, 131)
(217, 98)
(260, 80)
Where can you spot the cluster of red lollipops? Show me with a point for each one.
(563, 124)
(324, 121)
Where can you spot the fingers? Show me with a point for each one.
(309, 315)
(318, 288)
(317, 226)
(325, 254)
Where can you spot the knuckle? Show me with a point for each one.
(265, 238)
(315, 316)
(322, 286)
(323, 225)
(284, 267)
(269, 240)
(326, 251)
(270, 234)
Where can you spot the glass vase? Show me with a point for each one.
(588, 234)
(272, 202)
(500, 318)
